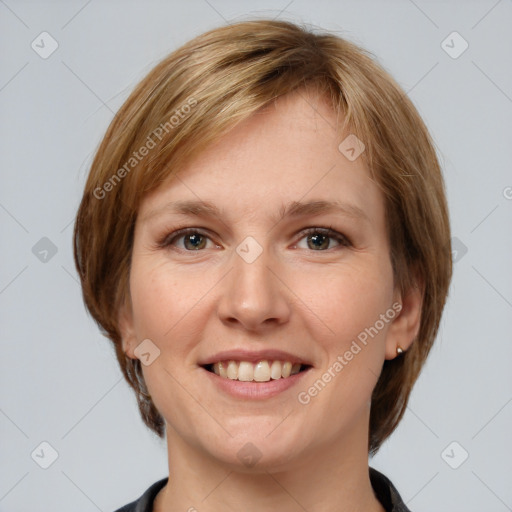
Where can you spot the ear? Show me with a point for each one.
(406, 325)
(127, 330)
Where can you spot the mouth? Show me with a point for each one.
(264, 370)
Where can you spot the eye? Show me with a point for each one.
(319, 239)
(192, 239)
(189, 239)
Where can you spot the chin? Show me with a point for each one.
(256, 448)
(257, 458)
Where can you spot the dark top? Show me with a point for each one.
(382, 486)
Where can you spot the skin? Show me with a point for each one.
(294, 297)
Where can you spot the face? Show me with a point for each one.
(255, 273)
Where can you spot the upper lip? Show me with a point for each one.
(253, 356)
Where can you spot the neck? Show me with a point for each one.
(326, 478)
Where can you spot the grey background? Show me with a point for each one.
(59, 379)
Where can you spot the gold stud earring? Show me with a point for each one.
(399, 350)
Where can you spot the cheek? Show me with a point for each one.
(151, 307)
(354, 344)
(367, 315)
(159, 299)
(165, 310)
(352, 299)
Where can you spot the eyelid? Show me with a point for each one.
(168, 238)
(329, 232)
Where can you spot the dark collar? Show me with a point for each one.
(384, 490)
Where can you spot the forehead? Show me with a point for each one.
(287, 152)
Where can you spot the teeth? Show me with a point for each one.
(232, 371)
(245, 371)
(263, 371)
(223, 371)
(275, 370)
(287, 369)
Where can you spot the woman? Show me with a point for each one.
(264, 237)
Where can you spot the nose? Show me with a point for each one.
(254, 295)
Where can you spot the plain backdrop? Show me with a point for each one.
(60, 383)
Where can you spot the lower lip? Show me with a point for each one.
(255, 390)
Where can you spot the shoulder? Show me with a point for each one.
(145, 502)
(386, 492)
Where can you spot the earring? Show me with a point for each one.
(399, 350)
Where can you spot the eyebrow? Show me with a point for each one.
(199, 208)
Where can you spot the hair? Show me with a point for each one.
(200, 92)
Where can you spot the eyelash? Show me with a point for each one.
(329, 232)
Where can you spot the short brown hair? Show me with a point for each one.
(201, 91)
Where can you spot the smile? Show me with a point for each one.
(261, 371)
